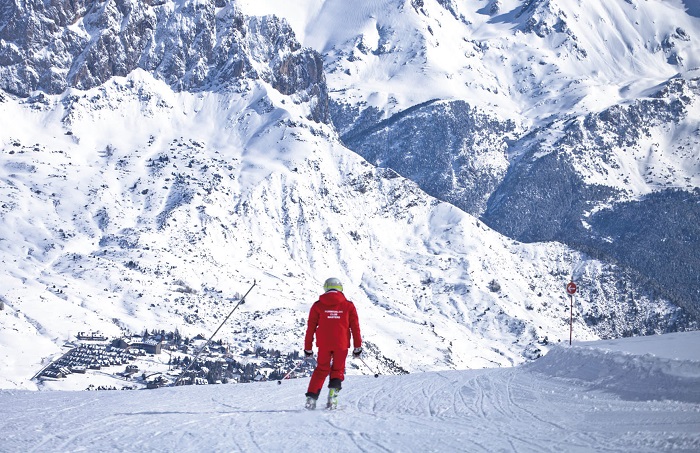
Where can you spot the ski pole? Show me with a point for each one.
(291, 371)
(242, 301)
(370, 368)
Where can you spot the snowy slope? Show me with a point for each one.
(541, 64)
(161, 227)
(616, 399)
(97, 217)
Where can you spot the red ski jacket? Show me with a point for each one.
(332, 319)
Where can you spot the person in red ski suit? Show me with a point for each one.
(333, 320)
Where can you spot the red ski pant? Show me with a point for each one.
(329, 362)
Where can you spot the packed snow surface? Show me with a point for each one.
(632, 395)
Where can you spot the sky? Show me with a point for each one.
(629, 395)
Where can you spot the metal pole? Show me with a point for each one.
(363, 361)
(242, 301)
(291, 371)
(571, 320)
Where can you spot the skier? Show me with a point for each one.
(332, 319)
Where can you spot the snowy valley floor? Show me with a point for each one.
(633, 395)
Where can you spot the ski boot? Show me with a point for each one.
(310, 403)
(332, 399)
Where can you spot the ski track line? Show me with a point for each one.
(460, 406)
(373, 405)
(369, 440)
(479, 402)
(513, 411)
(565, 435)
(493, 398)
(101, 427)
(442, 398)
(432, 406)
(67, 437)
(236, 443)
(494, 408)
(240, 410)
(451, 391)
(555, 430)
(430, 426)
(577, 439)
(250, 429)
(353, 437)
(513, 403)
(583, 440)
(428, 400)
(78, 406)
(469, 405)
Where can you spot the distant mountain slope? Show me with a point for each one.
(192, 45)
(541, 116)
(622, 184)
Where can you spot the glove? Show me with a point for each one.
(308, 352)
(357, 352)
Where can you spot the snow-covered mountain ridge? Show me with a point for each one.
(573, 110)
(191, 45)
(146, 185)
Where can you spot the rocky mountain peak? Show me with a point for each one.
(193, 45)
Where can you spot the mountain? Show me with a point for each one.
(631, 395)
(157, 157)
(552, 120)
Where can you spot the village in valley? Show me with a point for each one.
(155, 359)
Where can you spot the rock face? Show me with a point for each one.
(453, 151)
(50, 46)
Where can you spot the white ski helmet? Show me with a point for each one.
(333, 284)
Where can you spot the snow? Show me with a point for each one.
(621, 396)
(669, 346)
(582, 58)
